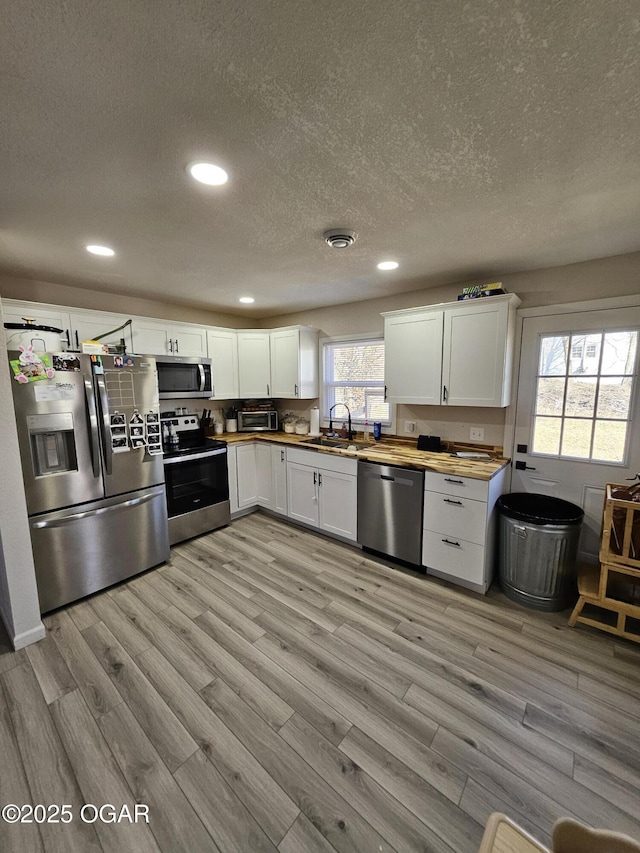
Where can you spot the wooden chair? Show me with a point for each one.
(502, 835)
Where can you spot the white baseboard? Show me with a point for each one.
(28, 637)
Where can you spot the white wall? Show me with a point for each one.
(19, 608)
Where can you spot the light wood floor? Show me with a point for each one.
(274, 690)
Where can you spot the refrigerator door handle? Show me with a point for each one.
(106, 423)
(92, 417)
(201, 372)
(77, 516)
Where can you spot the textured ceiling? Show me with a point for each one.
(466, 140)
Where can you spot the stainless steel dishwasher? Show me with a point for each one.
(390, 504)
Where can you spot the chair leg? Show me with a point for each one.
(577, 610)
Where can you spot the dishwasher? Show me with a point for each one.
(390, 504)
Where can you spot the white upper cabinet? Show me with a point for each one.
(254, 364)
(222, 348)
(477, 352)
(90, 326)
(454, 354)
(14, 311)
(294, 363)
(413, 356)
(157, 337)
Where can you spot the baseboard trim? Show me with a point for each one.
(26, 638)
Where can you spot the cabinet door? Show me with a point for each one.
(302, 493)
(247, 475)
(222, 349)
(413, 357)
(475, 346)
(254, 364)
(279, 478)
(87, 327)
(233, 477)
(264, 475)
(151, 338)
(189, 340)
(19, 312)
(338, 503)
(285, 363)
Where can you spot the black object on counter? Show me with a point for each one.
(429, 442)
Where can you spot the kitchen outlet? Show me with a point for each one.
(409, 426)
(476, 434)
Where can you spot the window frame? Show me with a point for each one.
(363, 337)
(635, 379)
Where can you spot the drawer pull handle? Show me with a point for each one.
(449, 501)
(458, 482)
(449, 542)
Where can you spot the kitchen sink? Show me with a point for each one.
(334, 442)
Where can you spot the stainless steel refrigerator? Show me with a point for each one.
(91, 452)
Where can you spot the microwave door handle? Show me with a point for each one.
(92, 420)
(201, 372)
(103, 401)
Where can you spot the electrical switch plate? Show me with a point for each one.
(476, 434)
(409, 426)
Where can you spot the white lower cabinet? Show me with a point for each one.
(232, 453)
(279, 478)
(247, 473)
(459, 528)
(257, 476)
(322, 492)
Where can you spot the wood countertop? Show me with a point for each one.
(387, 451)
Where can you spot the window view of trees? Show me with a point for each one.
(583, 395)
(354, 374)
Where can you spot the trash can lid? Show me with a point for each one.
(539, 509)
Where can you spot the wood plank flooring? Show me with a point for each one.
(274, 690)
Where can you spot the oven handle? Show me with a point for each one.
(208, 453)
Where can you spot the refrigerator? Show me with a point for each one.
(91, 453)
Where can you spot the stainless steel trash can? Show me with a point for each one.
(537, 549)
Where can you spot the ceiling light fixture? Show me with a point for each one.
(105, 251)
(388, 265)
(247, 300)
(208, 173)
(339, 238)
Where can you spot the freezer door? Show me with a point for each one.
(58, 434)
(127, 394)
(84, 549)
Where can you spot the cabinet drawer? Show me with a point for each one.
(323, 461)
(454, 516)
(463, 561)
(452, 484)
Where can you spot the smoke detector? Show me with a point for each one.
(339, 238)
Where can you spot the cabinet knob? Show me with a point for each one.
(176, 343)
(444, 393)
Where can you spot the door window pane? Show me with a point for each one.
(583, 395)
(550, 396)
(609, 441)
(553, 355)
(546, 435)
(576, 438)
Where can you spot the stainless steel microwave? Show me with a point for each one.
(181, 376)
(264, 421)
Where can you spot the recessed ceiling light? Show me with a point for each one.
(208, 173)
(105, 251)
(247, 300)
(388, 265)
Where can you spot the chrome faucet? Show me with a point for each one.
(350, 432)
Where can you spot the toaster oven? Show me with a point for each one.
(258, 421)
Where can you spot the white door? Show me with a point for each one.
(338, 503)
(247, 475)
(254, 364)
(189, 340)
(279, 478)
(264, 475)
(413, 357)
(222, 349)
(285, 349)
(233, 477)
(151, 338)
(302, 493)
(87, 327)
(578, 410)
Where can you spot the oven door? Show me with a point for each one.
(196, 481)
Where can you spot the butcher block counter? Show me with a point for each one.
(390, 451)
